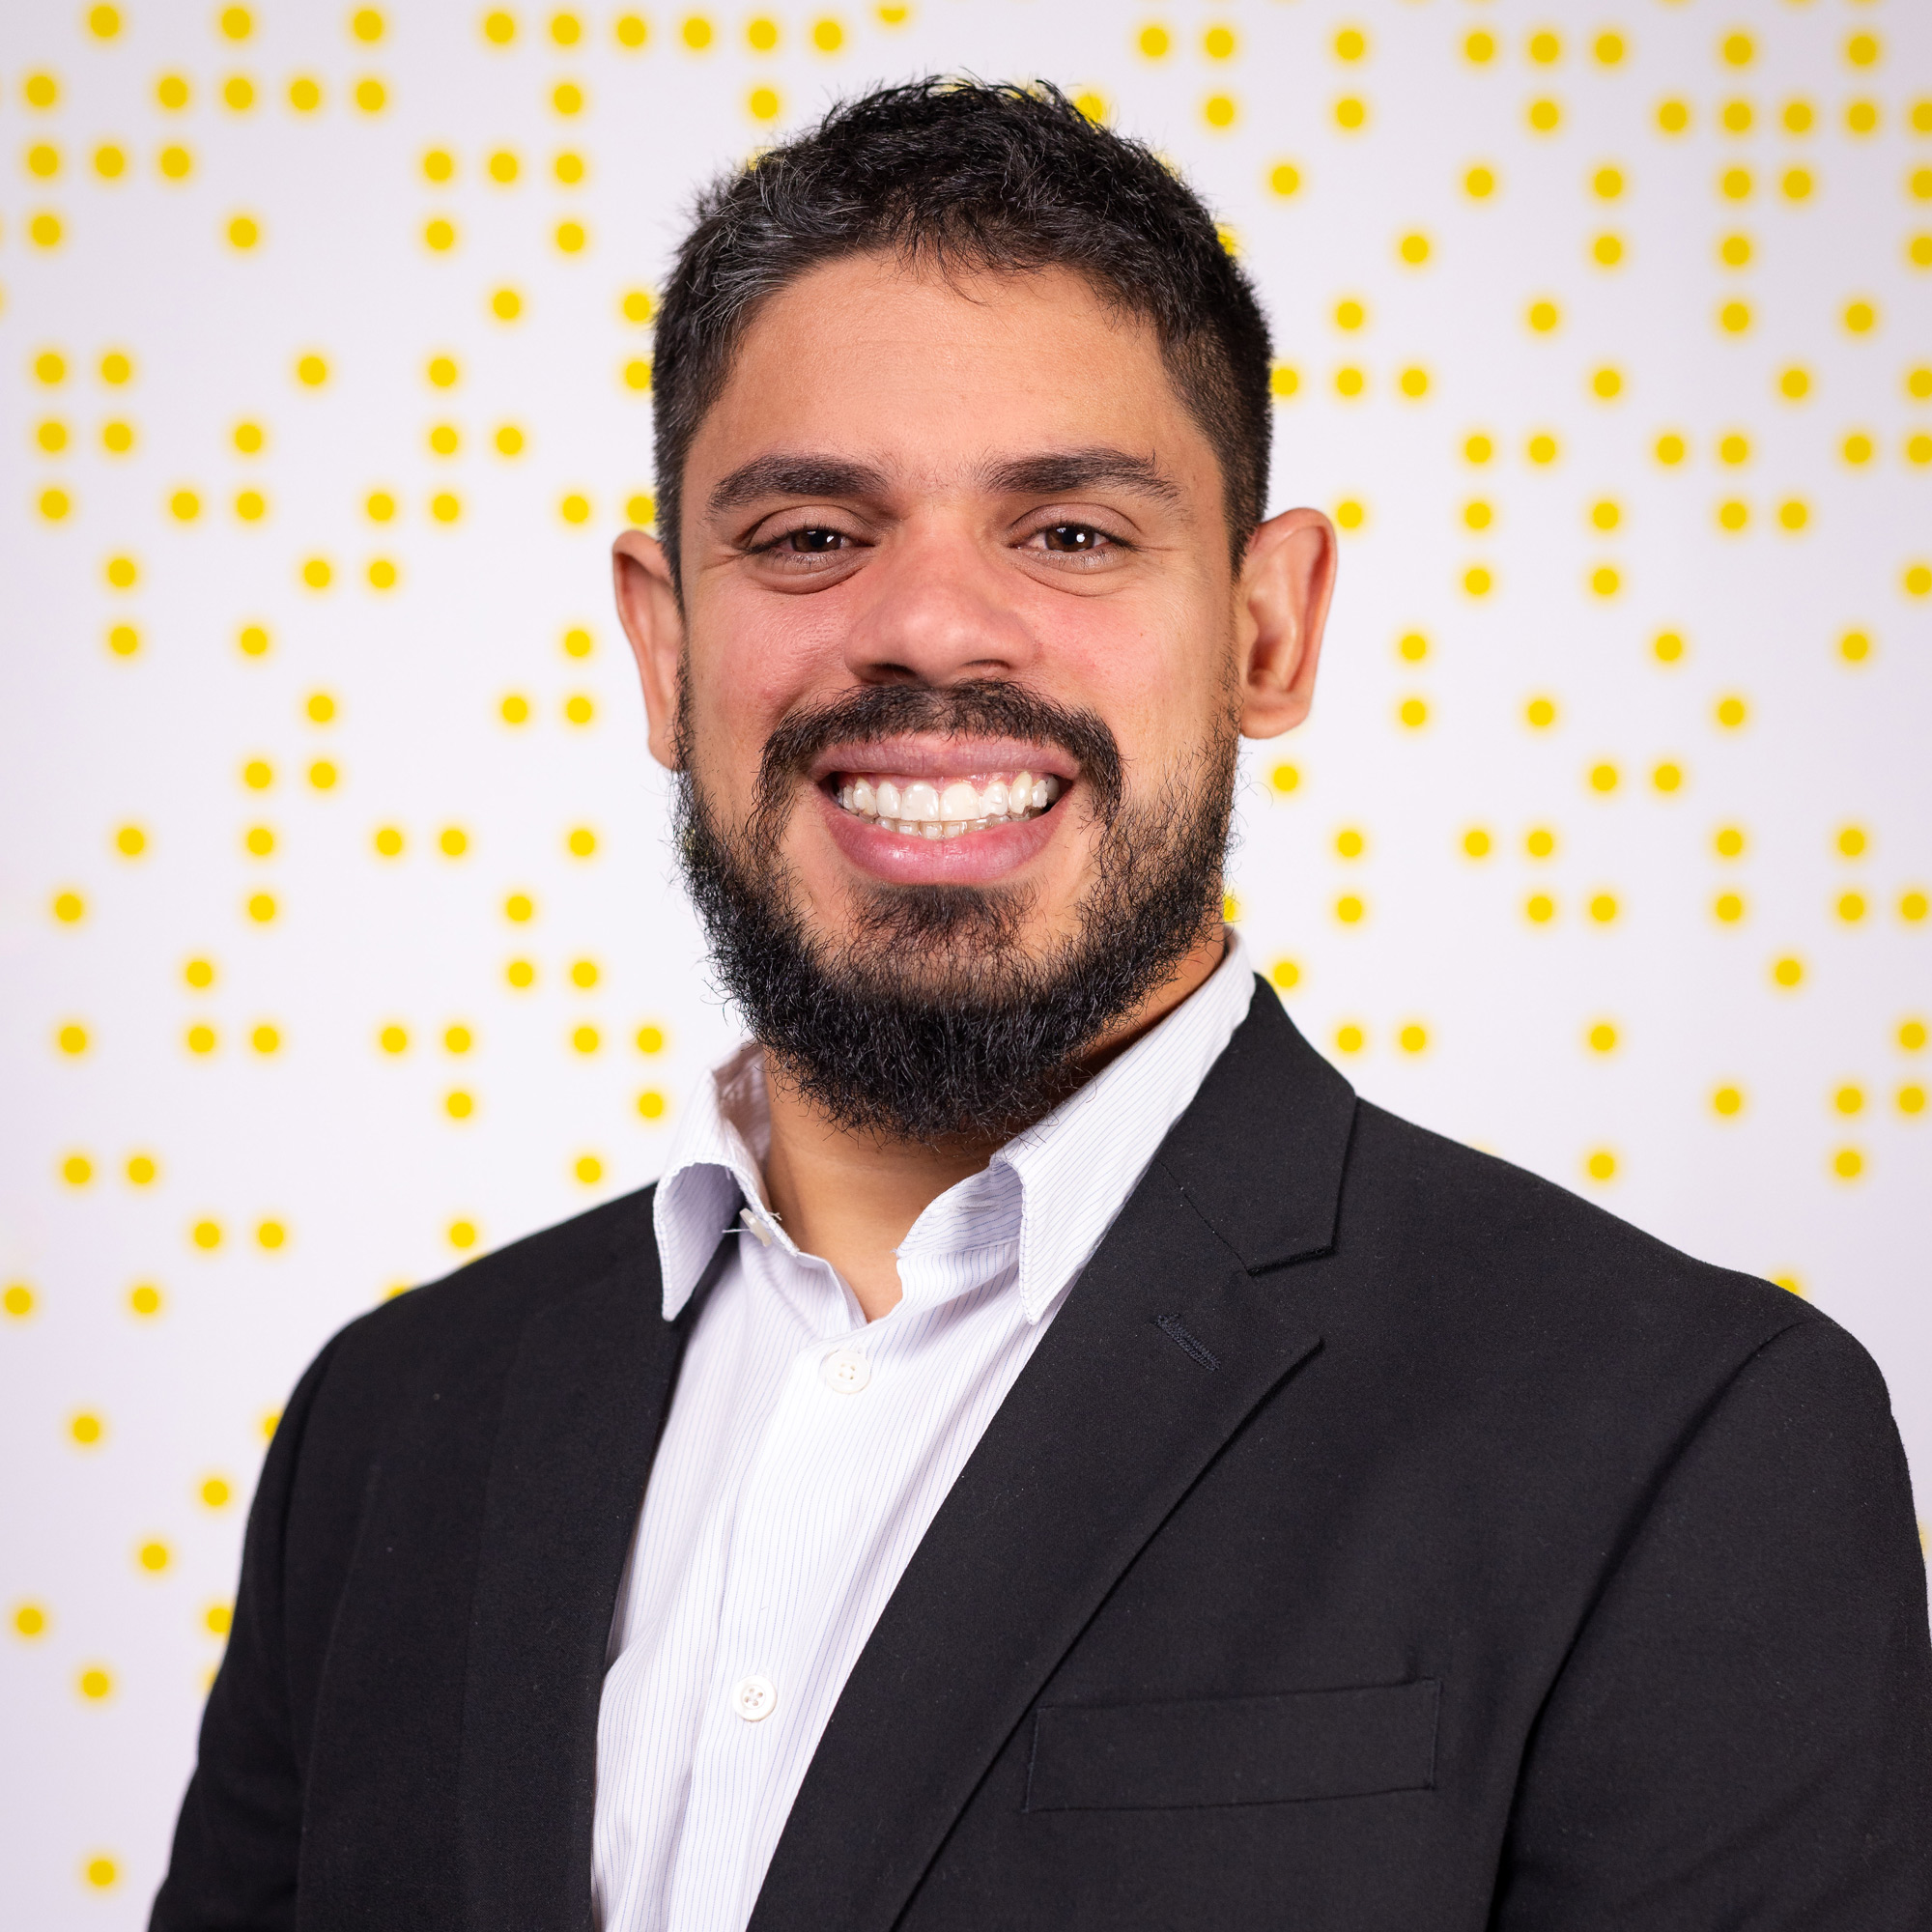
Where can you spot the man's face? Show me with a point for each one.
(961, 656)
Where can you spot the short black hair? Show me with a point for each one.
(969, 175)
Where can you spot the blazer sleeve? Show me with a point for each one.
(239, 1837)
(1741, 1734)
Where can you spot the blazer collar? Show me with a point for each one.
(1170, 1338)
(583, 1406)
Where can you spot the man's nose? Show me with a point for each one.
(937, 609)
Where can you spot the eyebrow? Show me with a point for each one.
(785, 475)
(1061, 473)
(1053, 473)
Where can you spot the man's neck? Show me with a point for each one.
(851, 1199)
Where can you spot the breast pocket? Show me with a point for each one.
(1235, 1750)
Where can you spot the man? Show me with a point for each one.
(1045, 1454)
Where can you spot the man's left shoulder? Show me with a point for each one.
(1497, 1260)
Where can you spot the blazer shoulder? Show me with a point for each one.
(459, 1332)
(1526, 1248)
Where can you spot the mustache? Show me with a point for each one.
(983, 708)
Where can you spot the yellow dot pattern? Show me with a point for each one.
(1603, 344)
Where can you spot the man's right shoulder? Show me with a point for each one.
(451, 1341)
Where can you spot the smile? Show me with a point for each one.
(945, 807)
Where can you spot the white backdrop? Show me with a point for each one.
(323, 385)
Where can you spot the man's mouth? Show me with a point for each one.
(944, 808)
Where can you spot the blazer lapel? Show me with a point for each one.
(583, 1408)
(1166, 1344)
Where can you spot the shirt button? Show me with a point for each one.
(755, 1698)
(846, 1370)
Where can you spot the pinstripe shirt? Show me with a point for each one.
(807, 1451)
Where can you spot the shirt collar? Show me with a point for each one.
(1074, 1170)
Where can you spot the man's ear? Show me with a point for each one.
(647, 608)
(1281, 607)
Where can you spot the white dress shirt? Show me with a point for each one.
(807, 1451)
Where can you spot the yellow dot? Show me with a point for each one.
(586, 1040)
(1479, 184)
(122, 572)
(589, 1170)
(1545, 116)
(827, 35)
(1861, 49)
(1544, 49)
(1731, 712)
(55, 504)
(1153, 42)
(575, 509)
(1911, 907)
(1855, 646)
(1479, 48)
(96, 1683)
(1350, 1039)
(265, 1039)
(519, 973)
(1412, 1038)
(317, 572)
(1848, 1163)
(1351, 113)
(440, 234)
(1349, 381)
(153, 1557)
(458, 1106)
(205, 1234)
(1350, 515)
(393, 1039)
(1727, 1101)
(1609, 48)
(1540, 713)
(141, 1169)
(1666, 776)
(1728, 907)
(1543, 317)
(1604, 580)
(516, 710)
(73, 1039)
(1911, 1099)
(103, 22)
(1735, 317)
(567, 98)
(1857, 449)
(1917, 580)
(1913, 1035)
(650, 1039)
(1477, 581)
(1851, 907)
(1607, 250)
(1283, 379)
(262, 908)
(506, 304)
(1603, 1038)
(218, 1619)
(1606, 384)
(1476, 842)
(454, 841)
(651, 1104)
(201, 1039)
(1787, 972)
(86, 1429)
(370, 95)
(30, 1620)
(499, 29)
(1284, 973)
(76, 1170)
(1602, 778)
(124, 640)
(1414, 713)
(1602, 1165)
(1861, 317)
(215, 1493)
(18, 1300)
(1284, 179)
(144, 1299)
(1671, 450)
(366, 24)
(1349, 844)
(638, 373)
(1284, 778)
(763, 104)
(1602, 908)
(1413, 383)
(1733, 515)
(1349, 909)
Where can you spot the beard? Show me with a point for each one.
(930, 1020)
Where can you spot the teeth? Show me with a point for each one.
(959, 803)
(925, 810)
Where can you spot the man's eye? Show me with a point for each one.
(811, 542)
(1072, 539)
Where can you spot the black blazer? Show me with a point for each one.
(1379, 1538)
